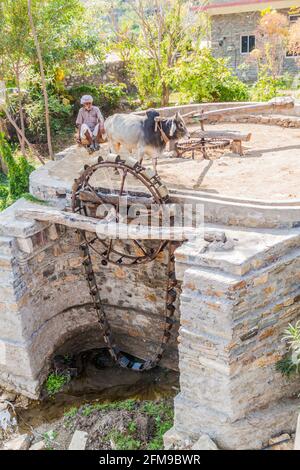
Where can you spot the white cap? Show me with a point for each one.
(86, 99)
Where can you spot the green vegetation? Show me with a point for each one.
(161, 415)
(123, 441)
(128, 405)
(286, 366)
(107, 96)
(268, 87)
(290, 363)
(49, 437)
(29, 197)
(202, 77)
(16, 184)
(132, 427)
(55, 382)
(71, 413)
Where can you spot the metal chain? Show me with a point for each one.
(119, 357)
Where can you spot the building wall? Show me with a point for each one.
(228, 29)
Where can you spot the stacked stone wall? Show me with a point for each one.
(45, 302)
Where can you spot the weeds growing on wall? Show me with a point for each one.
(291, 362)
(16, 183)
(55, 382)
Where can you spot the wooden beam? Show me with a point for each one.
(231, 135)
(272, 105)
(105, 228)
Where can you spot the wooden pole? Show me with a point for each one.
(103, 227)
(279, 103)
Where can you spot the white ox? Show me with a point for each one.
(143, 135)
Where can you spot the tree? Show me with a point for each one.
(271, 42)
(294, 39)
(156, 35)
(40, 42)
(202, 77)
(13, 36)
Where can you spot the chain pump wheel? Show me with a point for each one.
(202, 144)
(88, 194)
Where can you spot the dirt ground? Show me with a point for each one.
(123, 425)
(270, 168)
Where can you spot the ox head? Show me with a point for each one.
(178, 128)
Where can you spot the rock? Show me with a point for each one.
(220, 246)
(21, 442)
(174, 439)
(279, 439)
(38, 446)
(204, 443)
(215, 237)
(283, 446)
(79, 440)
(3, 406)
(7, 419)
(25, 245)
(144, 426)
(23, 402)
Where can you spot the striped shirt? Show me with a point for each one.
(89, 117)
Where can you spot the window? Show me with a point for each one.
(247, 44)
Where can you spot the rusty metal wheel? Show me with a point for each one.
(98, 192)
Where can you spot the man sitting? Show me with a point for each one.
(90, 122)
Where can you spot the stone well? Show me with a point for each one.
(234, 305)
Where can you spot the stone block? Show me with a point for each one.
(21, 442)
(177, 439)
(79, 440)
(297, 436)
(38, 446)
(204, 443)
(25, 245)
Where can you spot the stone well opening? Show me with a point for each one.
(237, 291)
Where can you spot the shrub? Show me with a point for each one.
(55, 382)
(107, 96)
(60, 115)
(19, 169)
(202, 77)
(267, 86)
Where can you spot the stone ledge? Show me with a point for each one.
(10, 226)
(253, 250)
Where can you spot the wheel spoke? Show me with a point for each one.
(123, 182)
(140, 247)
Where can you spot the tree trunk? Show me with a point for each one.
(21, 114)
(165, 95)
(19, 132)
(43, 80)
